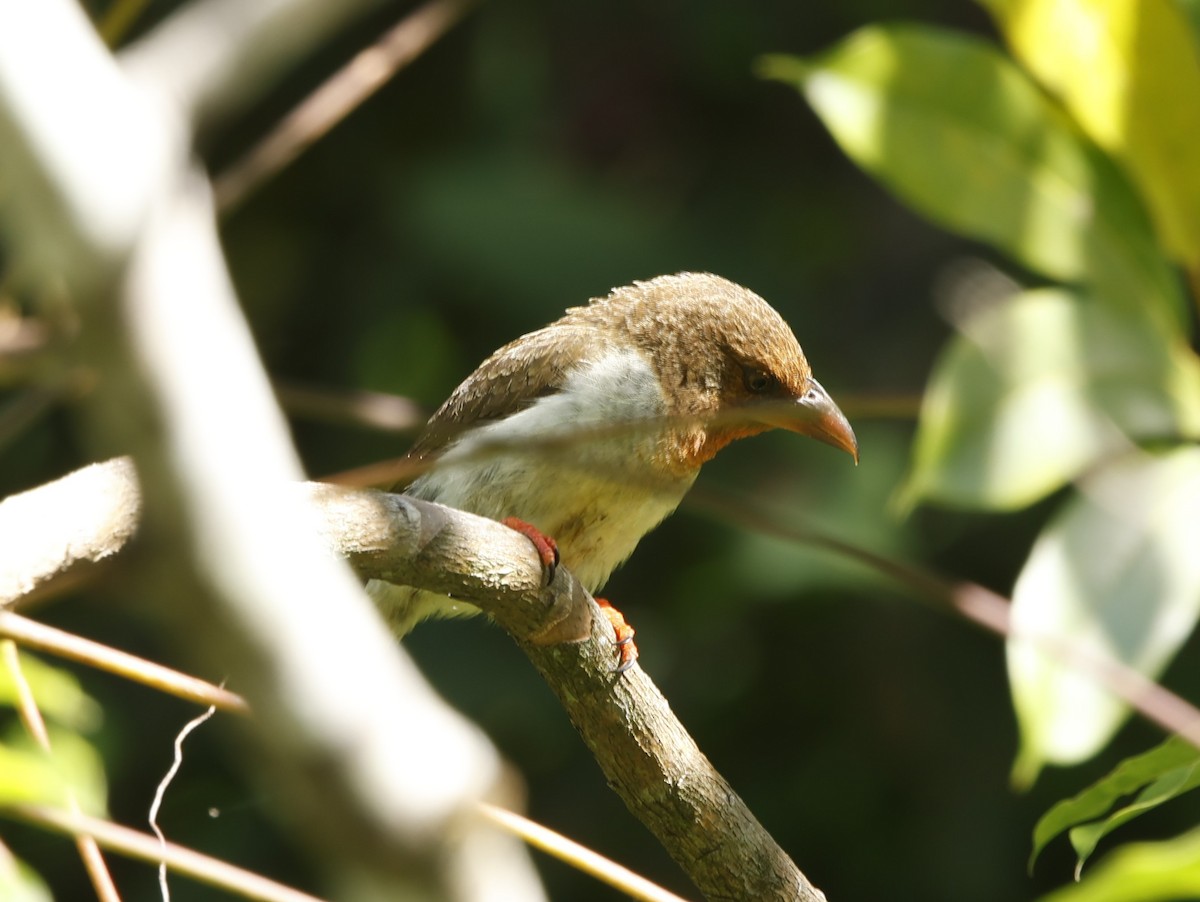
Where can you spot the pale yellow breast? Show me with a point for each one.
(580, 465)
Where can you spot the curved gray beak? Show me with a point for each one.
(814, 414)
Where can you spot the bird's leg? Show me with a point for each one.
(625, 645)
(547, 548)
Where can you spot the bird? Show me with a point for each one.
(587, 433)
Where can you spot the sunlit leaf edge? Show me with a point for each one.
(1097, 800)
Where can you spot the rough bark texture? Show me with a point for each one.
(644, 751)
(104, 198)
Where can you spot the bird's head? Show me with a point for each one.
(729, 365)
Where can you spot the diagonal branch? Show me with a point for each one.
(102, 197)
(142, 846)
(647, 756)
(212, 58)
(341, 94)
(644, 751)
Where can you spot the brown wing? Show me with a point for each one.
(514, 377)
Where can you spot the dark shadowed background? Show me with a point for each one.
(535, 157)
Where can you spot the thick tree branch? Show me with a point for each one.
(370, 762)
(648, 757)
(646, 754)
(61, 530)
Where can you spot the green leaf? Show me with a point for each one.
(1086, 836)
(1130, 75)
(1039, 387)
(965, 137)
(73, 769)
(58, 694)
(1157, 776)
(1115, 575)
(1143, 872)
(19, 882)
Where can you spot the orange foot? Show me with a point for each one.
(547, 548)
(625, 645)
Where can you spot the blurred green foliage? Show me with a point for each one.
(1051, 387)
(1156, 776)
(70, 773)
(543, 153)
(967, 138)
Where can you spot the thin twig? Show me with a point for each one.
(161, 790)
(144, 847)
(341, 94)
(879, 407)
(31, 717)
(370, 410)
(578, 856)
(977, 604)
(560, 445)
(229, 559)
(58, 642)
(212, 59)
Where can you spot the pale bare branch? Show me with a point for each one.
(66, 526)
(567, 850)
(212, 58)
(645, 753)
(40, 637)
(145, 847)
(101, 194)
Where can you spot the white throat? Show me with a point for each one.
(596, 496)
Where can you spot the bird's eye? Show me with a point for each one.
(757, 381)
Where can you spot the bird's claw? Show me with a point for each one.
(545, 546)
(547, 550)
(627, 650)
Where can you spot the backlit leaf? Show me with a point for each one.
(1142, 872)
(964, 136)
(19, 883)
(1129, 72)
(1116, 575)
(56, 691)
(72, 770)
(1039, 387)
